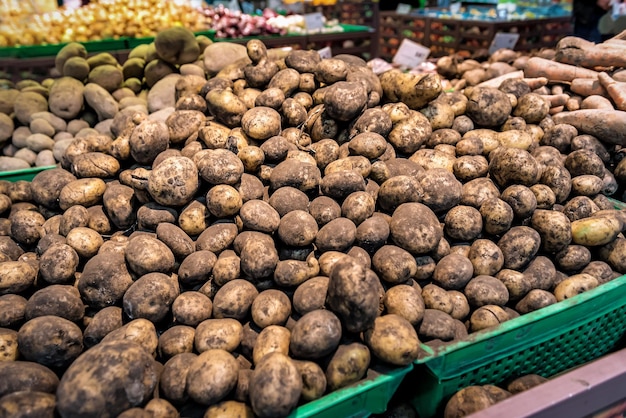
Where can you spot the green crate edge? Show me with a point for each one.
(361, 399)
(25, 174)
(436, 375)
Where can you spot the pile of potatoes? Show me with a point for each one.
(244, 237)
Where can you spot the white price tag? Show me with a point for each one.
(503, 40)
(403, 9)
(313, 21)
(410, 54)
(325, 52)
(455, 8)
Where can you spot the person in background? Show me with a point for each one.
(586, 15)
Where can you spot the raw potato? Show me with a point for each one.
(271, 307)
(224, 334)
(313, 380)
(315, 335)
(473, 399)
(271, 339)
(486, 290)
(487, 316)
(534, 300)
(353, 294)
(574, 285)
(405, 301)
(348, 365)
(437, 325)
(275, 386)
(8, 345)
(211, 376)
(393, 340)
(110, 377)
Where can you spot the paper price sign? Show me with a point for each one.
(410, 54)
(314, 21)
(403, 9)
(503, 40)
(325, 52)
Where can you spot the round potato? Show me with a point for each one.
(211, 376)
(315, 335)
(348, 365)
(275, 386)
(271, 307)
(223, 334)
(393, 340)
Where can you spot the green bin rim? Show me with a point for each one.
(24, 174)
(325, 404)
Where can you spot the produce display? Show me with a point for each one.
(101, 20)
(236, 230)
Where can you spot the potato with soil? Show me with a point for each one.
(353, 294)
(191, 308)
(393, 264)
(57, 300)
(410, 133)
(146, 254)
(261, 123)
(150, 297)
(486, 257)
(415, 228)
(258, 260)
(574, 285)
(310, 295)
(487, 106)
(348, 365)
(27, 404)
(176, 340)
(196, 268)
(497, 216)
(211, 376)
(473, 399)
(398, 190)
(525, 383)
(532, 107)
(274, 338)
(313, 380)
(174, 181)
(26, 226)
(38, 341)
(453, 272)
(487, 316)
(405, 301)
(8, 345)
(519, 245)
(102, 323)
(104, 280)
(463, 223)
(234, 299)
(16, 277)
(297, 228)
(315, 335)
(47, 185)
(393, 340)
(436, 325)
(119, 205)
(554, 228)
(486, 290)
(345, 100)
(535, 300)
(294, 173)
(223, 333)
(271, 307)
(337, 235)
(275, 386)
(414, 90)
(514, 166)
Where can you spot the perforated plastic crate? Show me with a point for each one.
(545, 342)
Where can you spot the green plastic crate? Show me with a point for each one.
(26, 174)
(545, 342)
(367, 397)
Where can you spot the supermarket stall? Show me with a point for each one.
(194, 225)
(473, 28)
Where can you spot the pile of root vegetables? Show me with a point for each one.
(247, 236)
